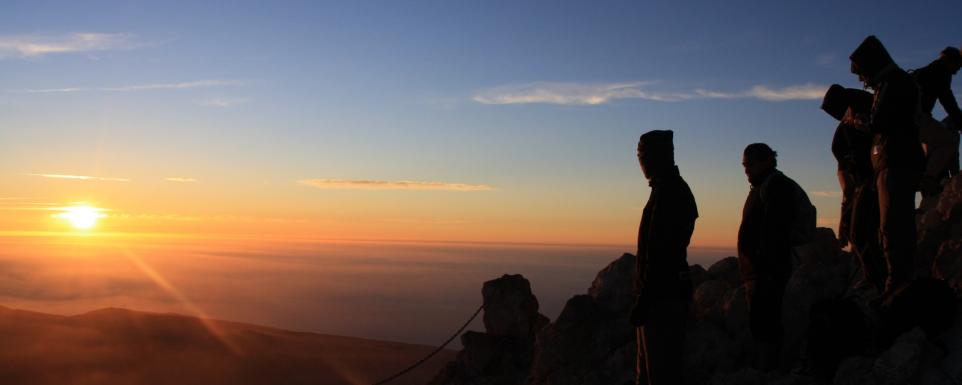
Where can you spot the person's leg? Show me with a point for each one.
(897, 223)
(663, 337)
(865, 235)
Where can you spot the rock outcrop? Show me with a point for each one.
(502, 354)
(835, 329)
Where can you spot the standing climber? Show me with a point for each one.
(663, 282)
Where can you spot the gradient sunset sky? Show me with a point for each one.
(494, 121)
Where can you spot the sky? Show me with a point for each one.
(499, 122)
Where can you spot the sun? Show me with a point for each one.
(81, 217)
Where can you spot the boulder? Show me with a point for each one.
(726, 270)
(707, 351)
(709, 301)
(510, 309)
(614, 286)
(898, 364)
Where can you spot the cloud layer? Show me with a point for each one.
(601, 93)
(35, 46)
(208, 83)
(81, 177)
(180, 179)
(392, 185)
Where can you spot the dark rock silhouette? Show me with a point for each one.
(502, 354)
(834, 334)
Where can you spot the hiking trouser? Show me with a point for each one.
(661, 343)
(896, 201)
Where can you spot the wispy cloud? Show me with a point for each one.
(181, 180)
(25, 46)
(81, 177)
(601, 93)
(392, 185)
(208, 83)
(826, 194)
(222, 102)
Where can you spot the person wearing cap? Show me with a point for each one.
(777, 217)
(897, 158)
(941, 143)
(663, 285)
(858, 225)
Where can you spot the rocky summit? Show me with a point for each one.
(837, 332)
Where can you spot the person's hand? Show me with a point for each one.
(639, 312)
(849, 117)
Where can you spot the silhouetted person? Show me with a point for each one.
(941, 143)
(776, 218)
(663, 283)
(859, 219)
(896, 154)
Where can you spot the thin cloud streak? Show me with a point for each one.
(81, 177)
(392, 185)
(34, 46)
(208, 83)
(222, 102)
(181, 180)
(602, 93)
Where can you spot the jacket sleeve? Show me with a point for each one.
(949, 104)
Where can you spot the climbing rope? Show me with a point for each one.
(423, 360)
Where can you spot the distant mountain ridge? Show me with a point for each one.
(120, 346)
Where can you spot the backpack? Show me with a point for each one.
(803, 225)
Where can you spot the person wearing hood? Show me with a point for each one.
(777, 217)
(940, 141)
(858, 225)
(662, 281)
(896, 154)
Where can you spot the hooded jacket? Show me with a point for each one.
(666, 226)
(893, 118)
(850, 146)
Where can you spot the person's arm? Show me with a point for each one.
(949, 104)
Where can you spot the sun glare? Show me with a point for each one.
(81, 217)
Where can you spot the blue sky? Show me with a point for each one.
(541, 101)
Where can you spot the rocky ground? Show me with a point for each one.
(836, 331)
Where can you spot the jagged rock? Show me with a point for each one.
(822, 249)
(948, 264)
(698, 275)
(898, 364)
(613, 288)
(502, 355)
(736, 311)
(707, 351)
(577, 348)
(816, 278)
(855, 371)
(726, 270)
(939, 230)
(744, 376)
(709, 301)
(510, 309)
(941, 363)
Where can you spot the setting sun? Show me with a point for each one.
(81, 217)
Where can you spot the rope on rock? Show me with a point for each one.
(436, 351)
